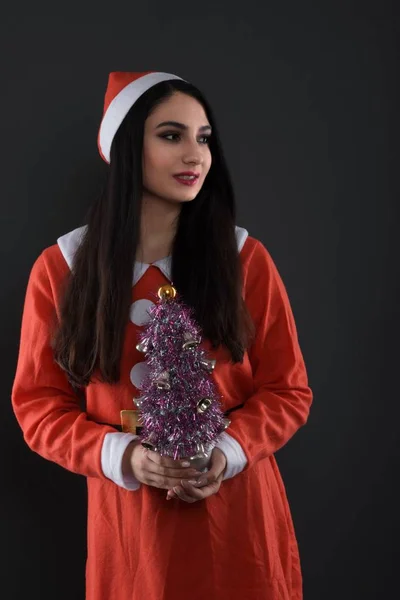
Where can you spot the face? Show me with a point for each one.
(175, 148)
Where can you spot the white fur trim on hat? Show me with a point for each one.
(120, 105)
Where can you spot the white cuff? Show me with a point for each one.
(112, 451)
(235, 457)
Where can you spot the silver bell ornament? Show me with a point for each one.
(203, 405)
(143, 346)
(162, 381)
(138, 401)
(190, 341)
(208, 364)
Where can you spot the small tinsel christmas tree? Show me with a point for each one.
(179, 407)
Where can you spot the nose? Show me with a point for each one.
(192, 158)
(192, 154)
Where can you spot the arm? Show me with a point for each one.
(44, 403)
(282, 398)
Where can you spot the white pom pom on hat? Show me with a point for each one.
(123, 89)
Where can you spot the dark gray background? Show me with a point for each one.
(304, 94)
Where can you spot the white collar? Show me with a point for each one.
(69, 243)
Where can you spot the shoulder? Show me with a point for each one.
(60, 256)
(254, 255)
(249, 247)
(54, 263)
(68, 244)
(56, 260)
(261, 277)
(257, 262)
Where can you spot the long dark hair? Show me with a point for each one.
(206, 268)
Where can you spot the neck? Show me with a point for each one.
(157, 229)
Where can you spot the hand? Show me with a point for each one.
(208, 483)
(153, 469)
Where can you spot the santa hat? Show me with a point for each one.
(123, 89)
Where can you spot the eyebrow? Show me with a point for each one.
(181, 125)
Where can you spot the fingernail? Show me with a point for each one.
(193, 481)
(185, 463)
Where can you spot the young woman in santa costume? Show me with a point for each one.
(157, 528)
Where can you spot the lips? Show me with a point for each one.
(192, 181)
(190, 173)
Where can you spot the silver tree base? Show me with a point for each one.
(201, 460)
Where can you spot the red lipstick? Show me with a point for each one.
(187, 177)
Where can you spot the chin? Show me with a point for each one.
(183, 200)
(184, 196)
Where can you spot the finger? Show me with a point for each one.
(193, 491)
(218, 461)
(164, 483)
(167, 461)
(159, 470)
(203, 492)
(216, 470)
(183, 496)
(204, 479)
(217, 467)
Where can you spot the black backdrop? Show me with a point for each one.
(304, 93)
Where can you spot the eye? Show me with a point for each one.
(169, 135)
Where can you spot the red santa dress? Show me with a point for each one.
(237, 544)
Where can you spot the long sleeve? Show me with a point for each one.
(112, 453)
(44, 403)
(281, 400)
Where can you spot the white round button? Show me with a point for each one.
(138, 311)
(138, 372)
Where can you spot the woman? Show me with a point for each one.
(158, 529)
